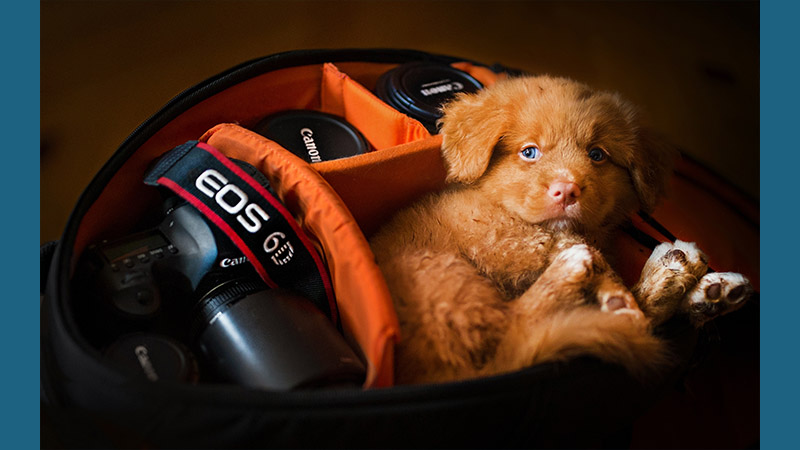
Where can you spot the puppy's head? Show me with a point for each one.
(554, 152)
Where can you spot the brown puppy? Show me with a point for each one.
(504, 268)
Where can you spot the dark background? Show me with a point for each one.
(693, 68)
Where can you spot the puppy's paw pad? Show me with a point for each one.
(722, 287)
(614, 303)
(674, 259)
(682, 257)
(718, 293)
(620, 303)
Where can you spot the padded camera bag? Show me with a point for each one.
(339, 203)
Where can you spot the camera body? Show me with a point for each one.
(177, 261)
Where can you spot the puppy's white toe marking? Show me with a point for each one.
(660, 250)
(576, 255)
(693, 253)
(576, 259)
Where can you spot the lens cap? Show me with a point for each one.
(419, 89)
(154, 356)
(312, 135)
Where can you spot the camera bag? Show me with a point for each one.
(339, 204)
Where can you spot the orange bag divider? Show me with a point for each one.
(375, 185)
(364, 303)
(381, 125)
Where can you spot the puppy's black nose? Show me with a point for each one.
(565, 192)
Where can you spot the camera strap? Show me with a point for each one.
(252, 217)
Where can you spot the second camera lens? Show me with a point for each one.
(420, 89)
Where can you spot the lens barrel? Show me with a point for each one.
(272, 339)
(419, 89)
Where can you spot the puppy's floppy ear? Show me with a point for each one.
(651, 168)
(471, 127)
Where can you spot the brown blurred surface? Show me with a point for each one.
(693, 67)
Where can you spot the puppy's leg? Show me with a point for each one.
(668, 275)
(558, 318)
(580, 275)
(451, 317)
(595, 283)
(716, 294)
(564, 283)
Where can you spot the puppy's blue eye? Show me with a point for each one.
(597, 155)
(531, 153)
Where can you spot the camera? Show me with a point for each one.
(156, 297)
(178, 259)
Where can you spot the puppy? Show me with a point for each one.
(505, 267)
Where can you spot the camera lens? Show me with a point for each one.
(312, 135)
(272, 339)
(153, 356)
(419, 89)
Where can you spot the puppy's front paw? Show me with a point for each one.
(567, 280)
(681, 258)
(717, 294)
(672, 270)
(615, 299)
(574, 263)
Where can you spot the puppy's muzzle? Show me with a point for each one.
(564, 193)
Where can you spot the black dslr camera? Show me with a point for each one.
(182, 258)
(155, 298)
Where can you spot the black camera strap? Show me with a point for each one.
(254, 219)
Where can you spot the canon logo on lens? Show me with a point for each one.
(311, 146)
(440, 87)
(314, 136)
